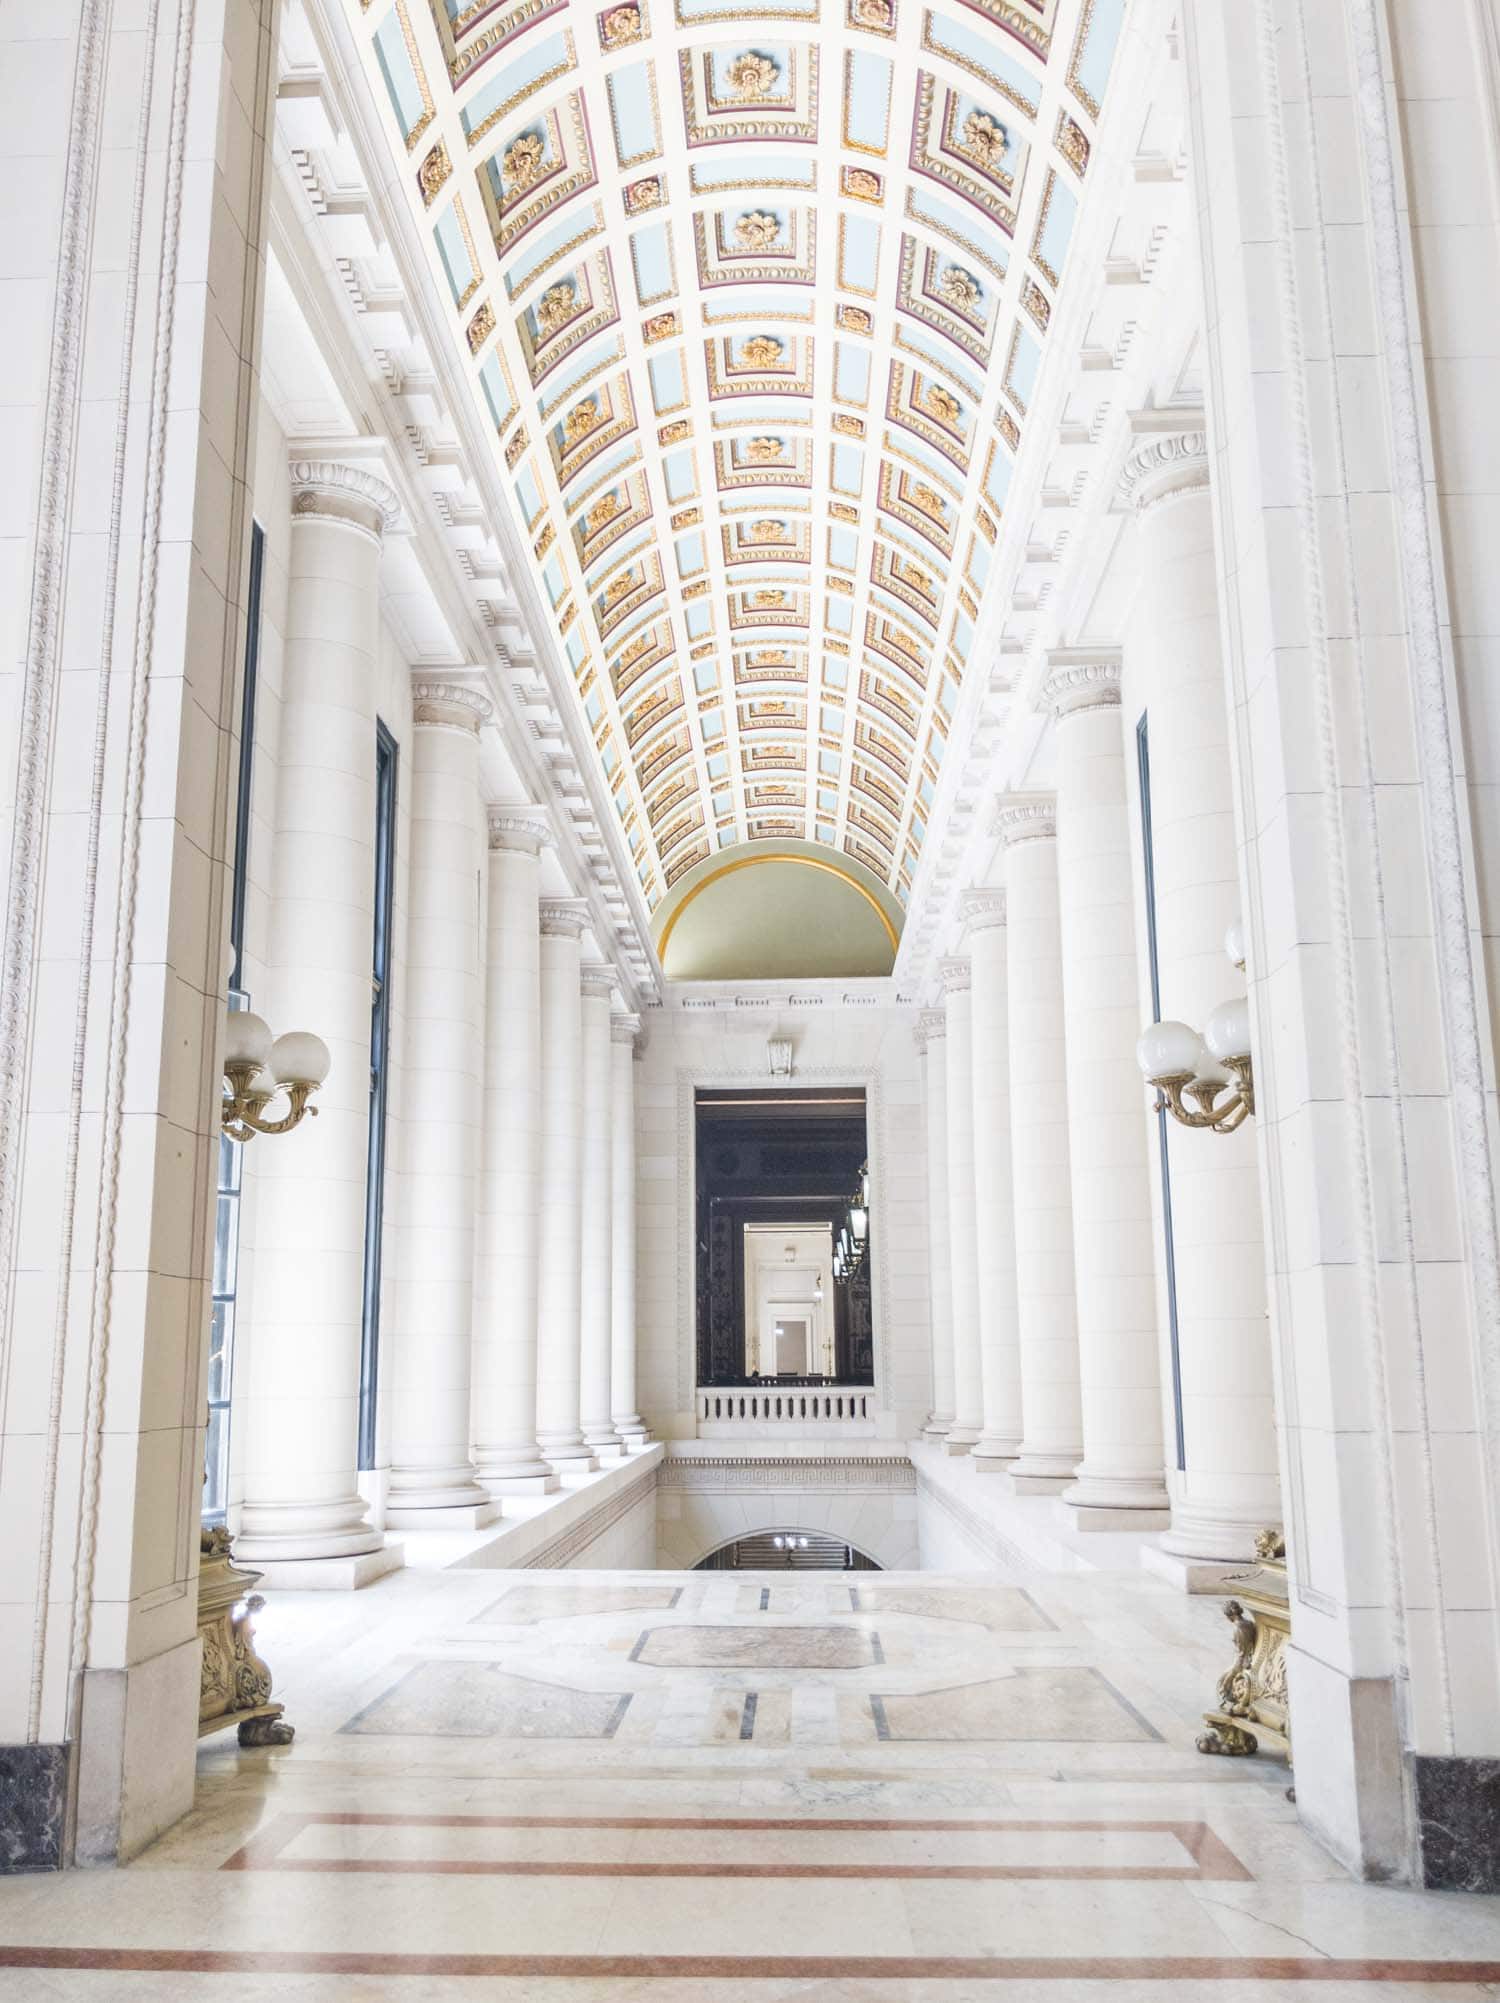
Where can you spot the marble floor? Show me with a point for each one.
(581, 1786)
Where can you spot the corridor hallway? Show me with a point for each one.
(845, 1788)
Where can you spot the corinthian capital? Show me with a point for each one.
(1081, 678)
(1026, 817)
(328, 490)
(1168, 459)
(449, 705)
(525, 828)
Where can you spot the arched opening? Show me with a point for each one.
(787, 1550)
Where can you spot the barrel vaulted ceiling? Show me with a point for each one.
(753, 299)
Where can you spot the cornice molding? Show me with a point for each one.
(330, 490)
(1026, 817)
(562, 917)
(1079, 679)
(954, 974)
(439, 704)
(525, 829)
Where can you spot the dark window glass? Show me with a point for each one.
(1143, 768)
(385, 860)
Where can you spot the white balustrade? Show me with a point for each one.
(816, 1410)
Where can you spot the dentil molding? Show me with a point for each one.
(954, 975)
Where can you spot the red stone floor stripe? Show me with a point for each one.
(770, 1968)
(467, 1867)
(265, 1851)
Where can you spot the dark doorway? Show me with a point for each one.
(787, 1551)
(777, 1173)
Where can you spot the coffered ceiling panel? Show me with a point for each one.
(754, 300)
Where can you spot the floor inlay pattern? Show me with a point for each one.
(710, 1788)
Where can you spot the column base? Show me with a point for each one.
(1117, 1502)
(450, 1516)
(413, 1492)
(543, 1482)
(34, 1806)
(566, 1459)
(328, 1575)
(992, 1463)
(629, 1425)
(1106, 1516)
(604, 1441)
(962, 1438)
(996, 1453)
(274, 1532)
(1216, 1540)
(937, 1426)
(1188, 1575)
(639, 1442)
(1037, 1473)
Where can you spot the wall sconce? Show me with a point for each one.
(1213, 1070)
(256, 1069)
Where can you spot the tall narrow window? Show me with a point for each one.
(380, 1019)
(227, 1219)
(1143, 769)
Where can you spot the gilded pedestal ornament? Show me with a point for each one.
(1252, 1712)
(235, 1682)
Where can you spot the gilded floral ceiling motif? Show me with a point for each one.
(755, 302)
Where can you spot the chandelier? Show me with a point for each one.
(854, 1233)
(259, 1068)
(1212, 1070)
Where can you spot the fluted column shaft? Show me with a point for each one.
(963, 1255)
(505, 1411)
(932, 1035)
(1227, 1489)
(596, 1330)
(994, 1196)
(624, 1031)
(559, 1282)
(1046, 1315)
(1120, 1480)
(298, 1401)
(432, 1332)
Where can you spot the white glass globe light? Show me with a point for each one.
(247, 1037)
(1211, 1073)
(300, 1058)
(264, 1085)
(1234, 943)
(1227, 1031)
(1169, 1050)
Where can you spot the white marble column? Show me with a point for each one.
(1120, 1480)
(560, 1233)
(932, 1041)
(432, 1477)
(297, 1402)
(994, 1204)
(1227, 1489)
(596, 1328)
(625, 1032)
(505, 1268)
(1046, 1315)
(963, 1254)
